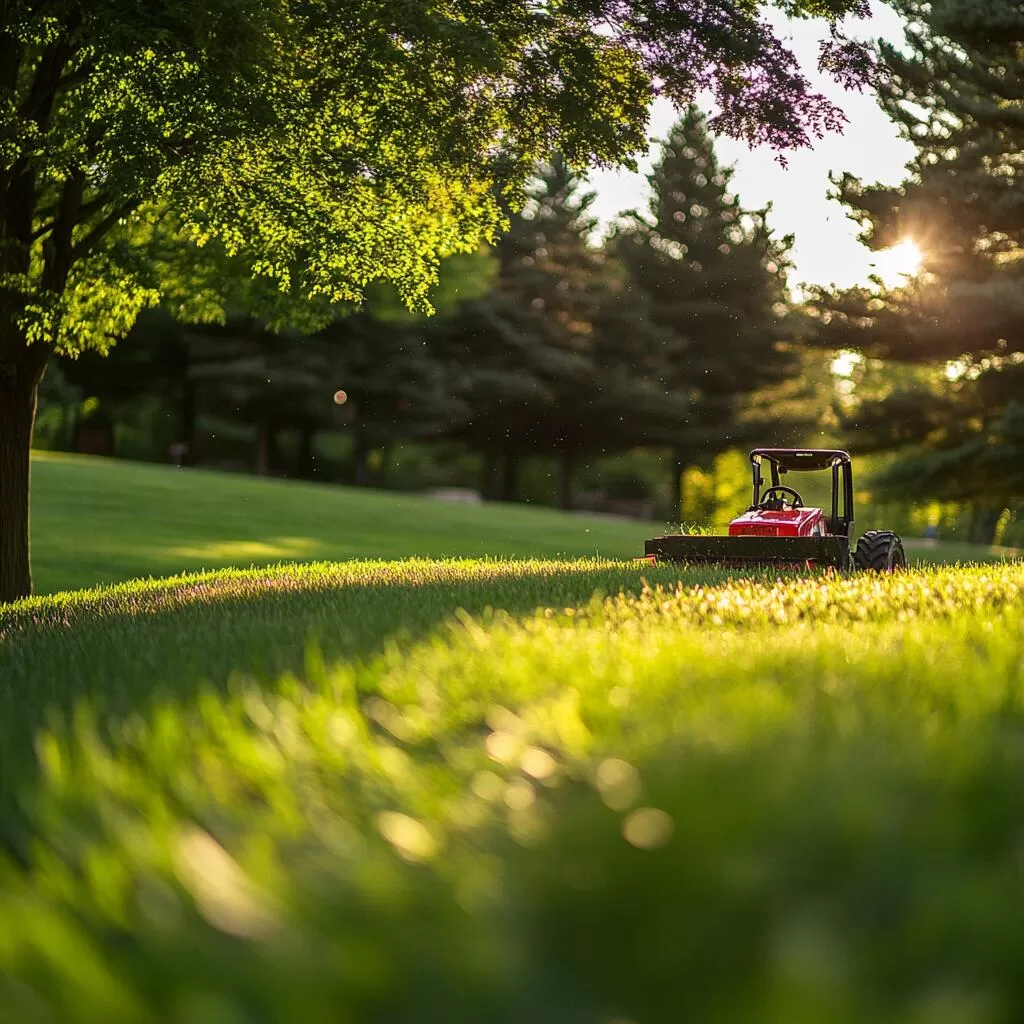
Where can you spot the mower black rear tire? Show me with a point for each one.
(879, 551)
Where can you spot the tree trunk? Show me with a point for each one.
(19, 384)
(187, 414)
(383, 474)
(184, 450)
(306, 463)
(984, 522)
(676, 490)
(566, 465)
(510, 477)
(264, 447)
(94, 437)
(488, 473)
(360, 457)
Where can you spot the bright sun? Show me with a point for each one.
(899, 262)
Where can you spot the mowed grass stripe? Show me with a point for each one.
(787, 799)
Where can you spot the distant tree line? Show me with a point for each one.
(554, 343)
(674, 334)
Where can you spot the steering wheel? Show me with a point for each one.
(797, 501)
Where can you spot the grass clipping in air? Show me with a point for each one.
(775, 799)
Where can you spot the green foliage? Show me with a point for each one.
(713, 278)
(672, 798)
(59, 399)
(626, 484)
(270, 362)
(327, 145)
(559, 358)
(958, 326)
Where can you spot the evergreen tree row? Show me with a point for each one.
(943, 377)
(559, 344)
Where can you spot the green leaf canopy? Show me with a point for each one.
(333, 142)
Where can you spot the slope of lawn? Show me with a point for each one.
(326, 794)
(105, 521)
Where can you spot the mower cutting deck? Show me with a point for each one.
(779, 530)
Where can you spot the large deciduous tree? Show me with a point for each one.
(953, 338)
(325, 142)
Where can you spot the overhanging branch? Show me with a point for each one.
(85, 211)
(95, 235)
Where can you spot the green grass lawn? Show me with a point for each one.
(105, 521)
(357, 793)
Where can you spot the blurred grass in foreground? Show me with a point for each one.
(777, 800)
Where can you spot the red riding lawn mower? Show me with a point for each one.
(779, 530)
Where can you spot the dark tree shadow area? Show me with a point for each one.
(125, 652)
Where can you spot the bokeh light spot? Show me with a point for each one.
(618, 782)
(412, 840)
(648, 828)
(538, 763)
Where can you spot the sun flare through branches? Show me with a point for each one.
(896, 264)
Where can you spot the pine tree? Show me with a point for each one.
(560, 358)
(397, 386)
(277, 362)
(955, 90)
(256, 377)
(714, 277)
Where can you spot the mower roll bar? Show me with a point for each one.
(785, 460)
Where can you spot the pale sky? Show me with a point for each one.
(826, 249)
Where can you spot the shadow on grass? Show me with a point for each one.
(123, 651)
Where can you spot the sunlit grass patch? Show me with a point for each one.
(101, 521)
(272, 549)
